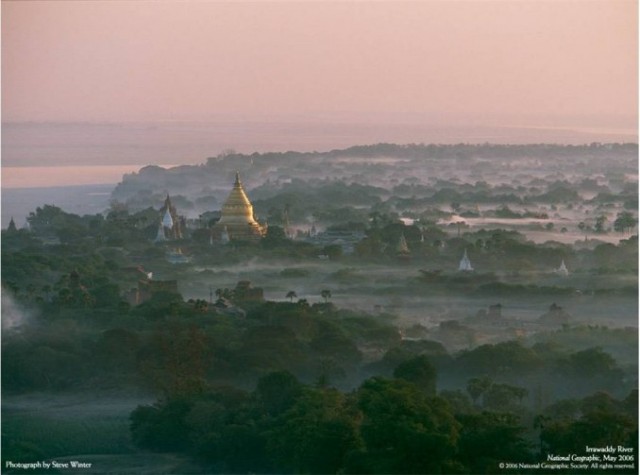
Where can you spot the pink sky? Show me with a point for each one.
(514, 62)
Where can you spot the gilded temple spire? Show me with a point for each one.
(237, 220)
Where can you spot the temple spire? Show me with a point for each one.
(167, 220)
(237, 219)
(402, 247)
(12, 226)
(465, 263)
(562, 270)
(160, 236)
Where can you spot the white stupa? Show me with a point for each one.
(224, 236)
(160, 237)
(562, 270)
(465, 263)
(167, 220)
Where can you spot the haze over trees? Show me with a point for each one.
(327, 347)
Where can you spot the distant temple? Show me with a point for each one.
(177, 257)
(12, 226)
(160, 236)
(402, 249)
(245, 292)
(286, 225)
(237, 221)
(562, 270)
(556, 315)
(147, 288)
(171, 225)
(465, 263)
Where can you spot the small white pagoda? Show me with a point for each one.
(465, 263)
(562, 270)
(167, 220)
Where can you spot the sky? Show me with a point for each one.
(538, 63)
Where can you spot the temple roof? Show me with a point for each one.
(237, 208)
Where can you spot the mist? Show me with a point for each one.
(14, 316)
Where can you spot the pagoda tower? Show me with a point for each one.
(562, 270)
(160, 236)
(237, 220)
(12, 226)
(285, 223)
(402, 249)
(170, 220)
(465, 263)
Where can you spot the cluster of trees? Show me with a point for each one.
(386, 425)
(167, 341)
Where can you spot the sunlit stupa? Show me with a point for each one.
(237, 221)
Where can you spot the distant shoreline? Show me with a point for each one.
(39, 144)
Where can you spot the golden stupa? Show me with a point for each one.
(237, 220)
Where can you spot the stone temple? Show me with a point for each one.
(237, 222)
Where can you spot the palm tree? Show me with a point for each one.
(291, 295)
(326, 294)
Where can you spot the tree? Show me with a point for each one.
(277, 391)
(403, 429)
(488, 438)
(177, 360)
(501, 359)
(291, 295)
(419, 371)
(275, 237)
(476, 387)
(504, 397)
(316, 434)
(582, 226)
(599, 421)
(625, 221)
(326, 295)
(591, 363)
(600, 220)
